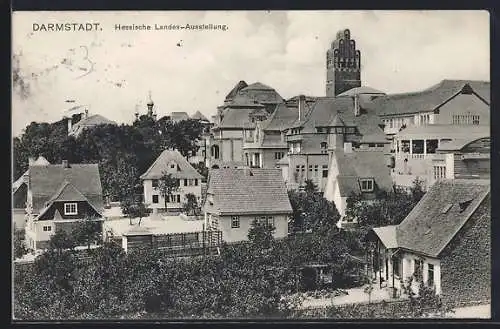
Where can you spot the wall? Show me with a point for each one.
(241, 234)
(460, 105)
(466, 261)
(183, 190)
(19, 218)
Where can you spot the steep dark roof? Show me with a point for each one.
(428, 99)
(353, 166)
(438, 216)
(161, 164)
(281, 118)
(360, 90)
(236, 118)
(247, 191)
(46, 181)
(326, 109)
(199, 116)
(240, 85)
(261, 93)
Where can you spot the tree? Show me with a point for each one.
(191, 206)
(88, 231)
(20, 248)
(310, 187)
(167, 185)
(424, 301)
(134, 209)
(311, 212)
(61, 241)
(261, 234)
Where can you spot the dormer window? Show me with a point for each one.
(366, 185)
(464, 204)
(319, 130)
(71, 208)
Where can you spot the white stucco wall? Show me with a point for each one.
(241, 234)
(149, 191)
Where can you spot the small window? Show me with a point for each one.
(430, 275)
(371, 144)
(172, 166)
(70, 209)
(235, 222)
(47, 228)
(366, 185)
(196, 182)
(178, 198)
(155, 183)
(155, 198)
(325, 173)
(380, 145)
(270, 221)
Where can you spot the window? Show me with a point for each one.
(70, 209)
(323, 146)
(325, 171)
(310, 168)
(465, 119)
(366, 185)
(350, 130)
(319, 130)
(178, 198)
(430, 275)
(47, 228)
(155, 198)
(196, 182)
(371, 144)
(439, 172)
(418, 270)
(235, 222)
(172, 166)
(155, 183)
(278, 155)
(475, 119)
(185, 182)
(380, 145)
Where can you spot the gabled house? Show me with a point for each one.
(361, 173)
(59, 196)
(328, 125)
(236, 121)
(87, 122)
(188, 181)
(237, 197)
(20, 194)
(268, 145)
(444, 242)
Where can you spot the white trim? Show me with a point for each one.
(66, 212)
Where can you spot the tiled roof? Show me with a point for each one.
(257, 86)
(387, 234)
(438, 217)
(91, 121)
(179, 116)
(46, 181)
(162, 163)
(261, 93)
(360, 90)
(240, 85)
(281, 118)
(458, 144)
(236, 118)
(243, 101)
(247, 191)
(428, 99)
(355, 165)
(68, 192)
(199, 116)
(326, 109)
(445, 131)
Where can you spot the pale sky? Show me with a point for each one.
(400, 51)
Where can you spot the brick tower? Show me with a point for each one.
(343, 65)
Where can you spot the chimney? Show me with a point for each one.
(86, 113)
(348, 147)
(357, 110)
(65, 164)
(302, 106)
(70, 122)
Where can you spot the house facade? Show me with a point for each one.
(236, 121)
(362, 173)
(444, 243)
(188, 181)
(329, 124)
(237, 197)
(58, 197)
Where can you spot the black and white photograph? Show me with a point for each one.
(242, 165)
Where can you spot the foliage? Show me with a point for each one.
(191, 206)
(423, 301)
(260, 234)
(167, 185)
(134, 209)
(61, 241)
(311, 211)
(20, 248)
(201, 169)
(87, 232)
(123, 152)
